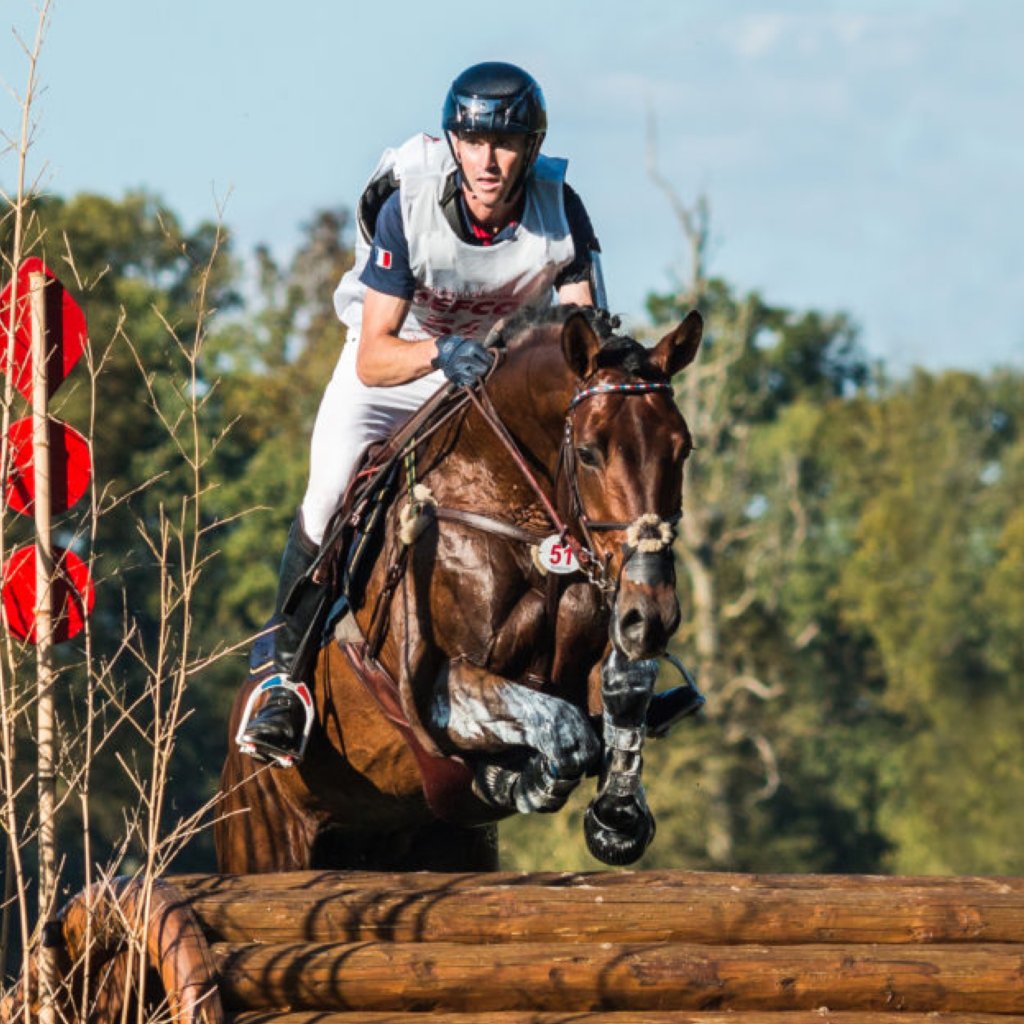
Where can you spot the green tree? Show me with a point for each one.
(149, 288)
(137, 273)
(753, 789)
(276, 362)
(933, 577)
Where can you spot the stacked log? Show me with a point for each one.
(638, 947)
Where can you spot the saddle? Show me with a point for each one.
(355, 531)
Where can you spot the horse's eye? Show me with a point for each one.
(588, 456)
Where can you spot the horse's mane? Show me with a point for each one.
(617, 350)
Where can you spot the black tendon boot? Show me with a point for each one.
(278, 731)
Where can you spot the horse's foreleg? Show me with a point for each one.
(479, 711)
(618, 824)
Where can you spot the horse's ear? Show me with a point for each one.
(677, 349)
(579, 344)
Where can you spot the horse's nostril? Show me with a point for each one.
(632, 624)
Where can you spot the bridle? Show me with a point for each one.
(650, 532)
(567, 454)
(649, 535)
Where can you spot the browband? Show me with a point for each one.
(631, 388)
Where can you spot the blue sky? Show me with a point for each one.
(857, 155)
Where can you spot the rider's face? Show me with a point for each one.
(490, 164)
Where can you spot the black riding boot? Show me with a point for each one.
(277, 731)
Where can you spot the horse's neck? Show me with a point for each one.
(531, 394)
(475, 470)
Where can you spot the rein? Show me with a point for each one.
(486, 409)
(649, 529)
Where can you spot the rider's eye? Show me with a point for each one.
(588, 457)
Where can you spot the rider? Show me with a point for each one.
(451, 239)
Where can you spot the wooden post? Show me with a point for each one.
(46, 779)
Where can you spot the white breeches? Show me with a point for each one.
(352, 416)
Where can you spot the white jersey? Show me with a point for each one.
(460, 289)
(463, 288)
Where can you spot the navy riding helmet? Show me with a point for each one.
(500, 98)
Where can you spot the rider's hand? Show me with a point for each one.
(462, 360)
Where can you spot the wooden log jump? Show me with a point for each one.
(640, 947)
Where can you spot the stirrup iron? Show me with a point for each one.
(266, 752)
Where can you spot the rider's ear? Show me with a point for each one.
(677, 349)
(580, 344)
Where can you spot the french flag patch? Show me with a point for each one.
(382, 257)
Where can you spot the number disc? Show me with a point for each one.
(557, 557)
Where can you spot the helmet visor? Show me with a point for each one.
(501, 115)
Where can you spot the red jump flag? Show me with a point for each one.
(66, 333)
(70, 467)
(73, 594)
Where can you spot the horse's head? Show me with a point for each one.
(625, 444)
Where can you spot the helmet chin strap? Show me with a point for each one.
(532, 150)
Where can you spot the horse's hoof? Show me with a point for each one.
(618, 832)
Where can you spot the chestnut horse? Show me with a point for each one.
(488, 662)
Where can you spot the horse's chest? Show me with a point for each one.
(499, 613)
(551, 634)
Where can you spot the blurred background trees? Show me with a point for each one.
(851, 565)
(851, 557)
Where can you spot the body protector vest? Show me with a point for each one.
(463, 288)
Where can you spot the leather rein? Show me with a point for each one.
(590, 563)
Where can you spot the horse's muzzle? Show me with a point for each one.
(646, 611)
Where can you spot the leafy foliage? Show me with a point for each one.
(153, 292)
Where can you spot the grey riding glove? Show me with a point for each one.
(462, 360)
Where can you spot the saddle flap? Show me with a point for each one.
(446, 778)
